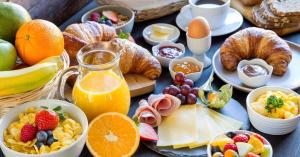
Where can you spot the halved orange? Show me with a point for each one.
(112, 135)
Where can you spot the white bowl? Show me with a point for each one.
(268, 125)
(147, 33)
(127, 27)
(193, 76)
(266, 142)
(76, 113)
(164, 61)
(255, 81)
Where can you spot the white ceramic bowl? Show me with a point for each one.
(266, 142)
(193, 76)
(164, 61)
(148, 29)
(75, 113)
(268, 125)
(255, 81)
(127, 27)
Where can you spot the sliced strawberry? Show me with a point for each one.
(230, 146)
(28, 133)
(111, 15)
(147, 133)
(241, 138)
(46, 120)
(250, 154)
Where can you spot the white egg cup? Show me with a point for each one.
(199, 47)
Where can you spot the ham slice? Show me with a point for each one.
(147, 114)
(165, 104)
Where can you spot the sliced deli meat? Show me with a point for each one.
(165, 104)
(147, 114)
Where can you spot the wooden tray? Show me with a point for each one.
(246, 11)
(139, 84)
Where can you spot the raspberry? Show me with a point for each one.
(28, 132)
(241, 138)
(230, 146)
(46, 120)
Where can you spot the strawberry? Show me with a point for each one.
(260, 138)
(147, 133)
(46, 120)
(250, 154)
(230, 146)
(28, 132)
(241, 138)
(111, 15)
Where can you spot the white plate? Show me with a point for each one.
(233, 22)
(147, 32)
(289, 80)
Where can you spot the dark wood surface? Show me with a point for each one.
(283, 146)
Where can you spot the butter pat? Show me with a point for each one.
(161, 33)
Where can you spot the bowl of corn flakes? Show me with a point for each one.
(274, 110)
(43, 128)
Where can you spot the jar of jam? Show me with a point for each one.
(170, 52)
(186, 68)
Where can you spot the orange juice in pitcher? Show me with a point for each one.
(100, 86)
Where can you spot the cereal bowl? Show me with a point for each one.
(72, 150)
(268, 150)
(272, 126)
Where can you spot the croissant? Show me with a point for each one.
(256, 43)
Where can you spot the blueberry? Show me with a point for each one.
(41, 136)
(108, 22)
(50, 141)
(215, 149)
(50, 133)
(102, 21)
(39, 144)
(230, 134)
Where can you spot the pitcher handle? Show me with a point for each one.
(73, 70)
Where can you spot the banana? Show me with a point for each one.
(30, 78)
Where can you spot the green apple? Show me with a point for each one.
(8, 55)
(243, 148)
(267, 151)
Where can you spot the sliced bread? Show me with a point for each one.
(264, 23)
(285, 7)
(268, 14)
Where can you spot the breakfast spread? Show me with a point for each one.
(274, 50)
(186, 68)
(253, 70)
(41, 130)
(169, 52)
(109, 17)
(276, 104)
(240, 144)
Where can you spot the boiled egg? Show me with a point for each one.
(198, 28)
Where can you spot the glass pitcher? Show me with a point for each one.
(100, 86)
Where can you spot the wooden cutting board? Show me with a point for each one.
(139, 84)
(246, 11)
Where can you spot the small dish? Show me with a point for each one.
(127, 27)
(268, 125)
(147, 32)
(164, 61)
(75, 112)
(255, 81)
(265, 141)
(193, 76)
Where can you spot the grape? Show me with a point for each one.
(185, 90)
(177, 83)
(182, 98)
(166, 90)
(191, 99)
(174, 90)
(195, 91)
(188, 82)
(179, 77)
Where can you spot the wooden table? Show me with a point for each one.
(283, 146)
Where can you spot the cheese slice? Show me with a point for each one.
(225, 120)
(179, 128)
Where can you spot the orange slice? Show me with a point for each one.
(112, 135)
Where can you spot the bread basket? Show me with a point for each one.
(47, 91)
(149, 9)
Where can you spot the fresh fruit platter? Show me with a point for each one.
(185, 114)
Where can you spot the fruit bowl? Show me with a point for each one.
(239, 143)
(47, 91)
(74, 112)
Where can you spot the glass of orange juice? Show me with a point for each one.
(100, 86)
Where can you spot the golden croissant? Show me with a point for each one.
(256, 43)
(134, 59)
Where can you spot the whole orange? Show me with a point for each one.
(37, 40)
